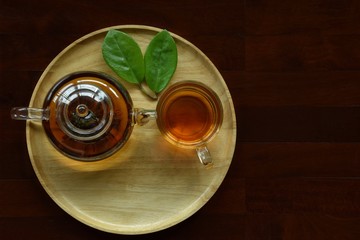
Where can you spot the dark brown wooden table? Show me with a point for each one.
(293, 69)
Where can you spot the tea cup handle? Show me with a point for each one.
(204, 155)
(28, 113)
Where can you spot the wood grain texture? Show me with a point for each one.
(149, 184)
(292, 68)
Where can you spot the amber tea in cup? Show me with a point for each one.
(189, 115)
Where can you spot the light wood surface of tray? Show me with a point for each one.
(149, 184)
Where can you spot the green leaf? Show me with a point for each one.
(123, 55)
(160, 61)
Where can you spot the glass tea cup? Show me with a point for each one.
(87, 115)
(189, 115)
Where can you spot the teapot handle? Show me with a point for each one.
(28, 113)
(142, 116)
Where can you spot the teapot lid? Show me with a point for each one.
(90, 115)
(84, 111)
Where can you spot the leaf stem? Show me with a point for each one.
(147, 91)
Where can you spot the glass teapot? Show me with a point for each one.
(87, 115)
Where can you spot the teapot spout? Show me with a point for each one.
(27, 113)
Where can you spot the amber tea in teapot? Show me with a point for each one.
(87, 115)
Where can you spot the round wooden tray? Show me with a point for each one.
(149, 184)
